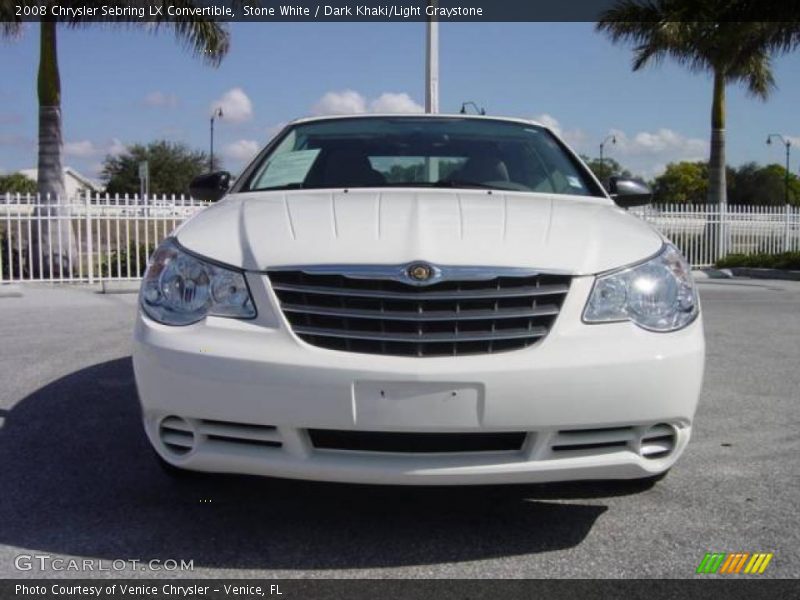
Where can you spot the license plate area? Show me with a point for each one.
(419, 405)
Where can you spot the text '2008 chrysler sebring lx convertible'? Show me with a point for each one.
(419, 300)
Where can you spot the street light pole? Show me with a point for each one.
(613, 139)
(217, 113)
(432, 83)
(432, 64)
(479, 110)
(788, 143)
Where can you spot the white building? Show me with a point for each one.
(74, 182)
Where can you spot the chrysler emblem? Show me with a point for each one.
(419, 272)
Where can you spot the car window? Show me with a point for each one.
(417, 152)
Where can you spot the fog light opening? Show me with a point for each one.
(176, 435)
(658, 441)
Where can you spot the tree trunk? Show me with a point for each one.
(54, 242)
(717, 185)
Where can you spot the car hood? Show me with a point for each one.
(571, 234)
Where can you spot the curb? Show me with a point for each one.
(9, 290)
(709, 273)
(119, 287)
(764, 273)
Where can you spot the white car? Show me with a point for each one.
(419, 300)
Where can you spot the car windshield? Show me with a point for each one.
(420, 152)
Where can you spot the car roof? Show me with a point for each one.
(416, 116)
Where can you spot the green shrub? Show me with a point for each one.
(10, 262)
(117, 266)
(785, 260)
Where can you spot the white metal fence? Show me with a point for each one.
(94, 238)
(705, 233)
(91, 238)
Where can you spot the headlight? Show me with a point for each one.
(658, 295)
(179, 289)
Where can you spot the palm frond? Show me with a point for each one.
(706, 36)
(10, 23)
(755, 72)
(200, 34)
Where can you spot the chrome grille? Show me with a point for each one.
(506, 310)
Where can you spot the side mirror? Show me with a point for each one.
(211, 186)
(628, 192)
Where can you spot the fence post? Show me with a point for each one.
(89, 240)
(11, 270)
(787, 211)
(716, 250)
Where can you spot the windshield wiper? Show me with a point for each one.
(440, 184)
(289, 186)
(458, 183)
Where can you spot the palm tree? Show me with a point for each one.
(203, 36)
(715, 41)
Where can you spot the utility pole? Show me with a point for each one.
(432, 84)
(217, 113)
(432, 64)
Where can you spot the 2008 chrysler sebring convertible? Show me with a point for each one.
(419, 300)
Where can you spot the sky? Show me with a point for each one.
(122, 86)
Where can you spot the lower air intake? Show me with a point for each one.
(658, 441)
(380, 441)
(177, 435)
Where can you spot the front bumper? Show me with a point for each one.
(586, 397)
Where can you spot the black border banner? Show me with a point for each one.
(373, 10)
(733, 588)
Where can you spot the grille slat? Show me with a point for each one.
(421, 315)
(450, 317)
(415, 292)
(421, 336)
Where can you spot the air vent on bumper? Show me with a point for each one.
(652, 442)
(180, 436)
(658, 441)
(177, 435)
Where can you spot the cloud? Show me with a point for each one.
(645, 153)
(81, 149)
(394, 103)
(663, 142)
(236, 106)
(350, 102)
(241, 150)
(577, 138)
(550, 122)
(345, 102)
(115, 147)
(160, 99)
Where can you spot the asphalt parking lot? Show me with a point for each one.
(77, 478)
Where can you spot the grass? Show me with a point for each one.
(789, 261)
